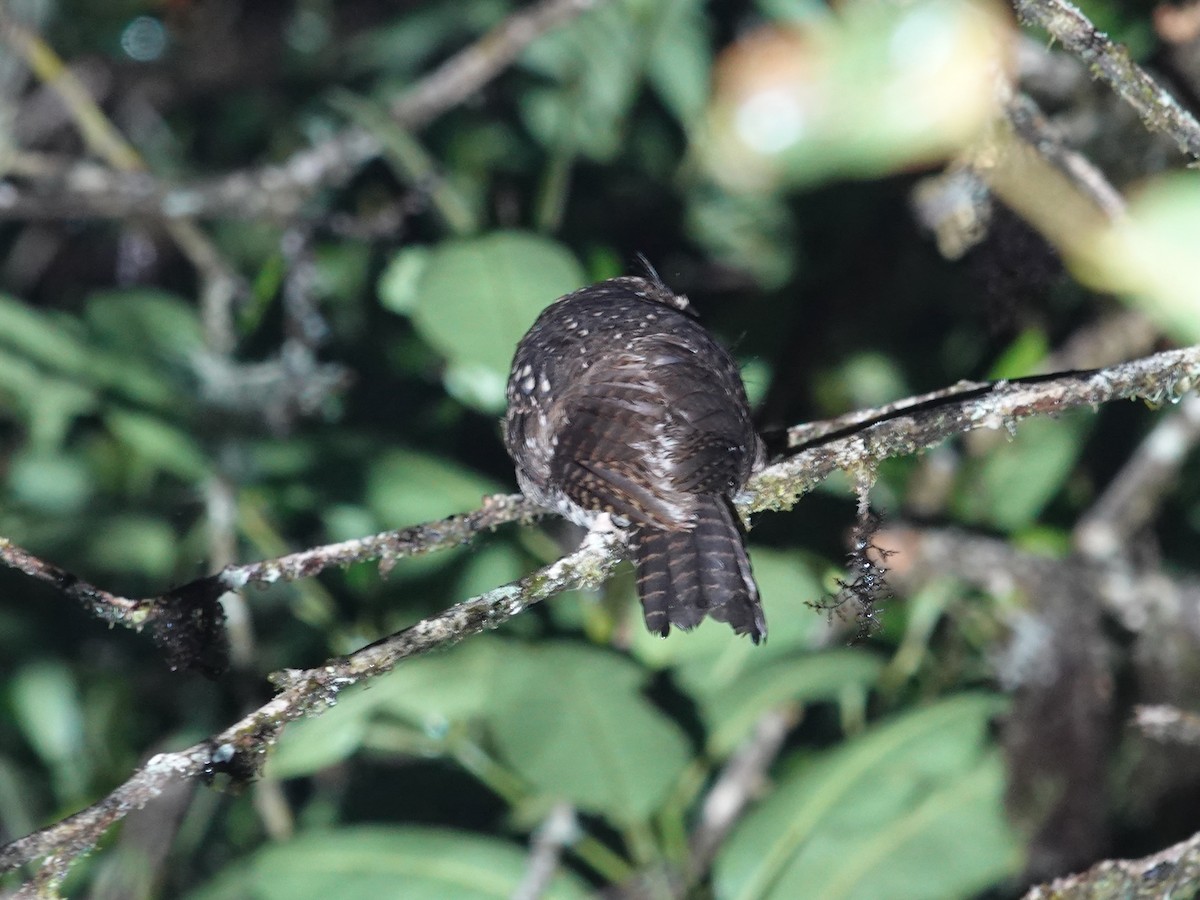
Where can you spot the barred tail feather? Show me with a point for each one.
(682, 576)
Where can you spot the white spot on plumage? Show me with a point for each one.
(527, 384)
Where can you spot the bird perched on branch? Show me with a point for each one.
(620, 402)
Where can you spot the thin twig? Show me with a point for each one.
(1032, 126)
(909, 426)
(278, 192)
(1159, 111)
(559, 830)
(1133, 496)
(853, 443)
(308, 692)
(741, 780)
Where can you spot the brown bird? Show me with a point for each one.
(620, 402)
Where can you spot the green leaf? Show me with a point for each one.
(47, 707)
(1151, 255)
(46, 703)
(135, 543)
(439, 689)
(146, 322)
(1021, 356)
(405, 487)
(751, 231)
(1010, 487)
(54, 342)
(490, 566)
(400, 283)
(571, 720)
(432, 692)
(341, 270)
(159, 443)
(478, 296)
(50, 403)
(402, 47)
(317, 742)
(51, 482)
(680, 59)
(911, 810)
(860, 380)
(730, 712)
(597, 62)
(384, 864)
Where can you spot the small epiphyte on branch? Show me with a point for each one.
(188, 624)
(866, 588)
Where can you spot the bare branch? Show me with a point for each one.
(558, 831)
(308, 692)
(1159, 111)
(900, 429)
(909, 426)
(101, 604)
(186, 621)
(1030, 124)
(1133, 496)
(741, 780)
(278, 192)
(854, 443)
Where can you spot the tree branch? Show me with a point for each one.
(1159, 111)
(186, 619)
(861, 440)
(278, 192)
(1174, 872)
(856, 444)
(243, 746)
(1134, 495)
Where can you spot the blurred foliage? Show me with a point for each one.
(712, 139)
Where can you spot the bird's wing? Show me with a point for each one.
(646, 431)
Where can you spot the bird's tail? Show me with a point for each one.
(684, 575)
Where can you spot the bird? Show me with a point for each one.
(621, 404)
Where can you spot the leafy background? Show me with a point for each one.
(135, 456)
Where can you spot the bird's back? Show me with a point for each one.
(620, 402)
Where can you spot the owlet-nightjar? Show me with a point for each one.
(620, 402)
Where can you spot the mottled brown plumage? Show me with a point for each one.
(620, 402)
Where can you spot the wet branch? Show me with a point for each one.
(855, 444)
(242, 747)
(1159, 111)
(186, 621)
